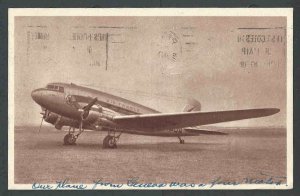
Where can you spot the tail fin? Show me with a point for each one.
(192, 105)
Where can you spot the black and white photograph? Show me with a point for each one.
(150, 99)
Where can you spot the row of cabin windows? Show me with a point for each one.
(56, 88)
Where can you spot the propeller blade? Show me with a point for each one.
(41, 124)
(90, 105)
(86, 109)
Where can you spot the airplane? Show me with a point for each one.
(84, 108)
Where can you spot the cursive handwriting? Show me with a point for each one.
(39, 186)
(135, 182)
(101, 183)
(220, 181)
(65, 185)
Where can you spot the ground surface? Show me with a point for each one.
(42, 157)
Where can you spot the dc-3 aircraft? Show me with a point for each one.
(84, 108)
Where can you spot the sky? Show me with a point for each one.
(226, 63)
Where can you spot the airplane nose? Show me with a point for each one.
(36, 95)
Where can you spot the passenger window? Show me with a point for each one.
(50, 87)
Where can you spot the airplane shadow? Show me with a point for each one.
(168, 146)
(161, 147)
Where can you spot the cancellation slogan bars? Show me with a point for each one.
(94, 46)
(261, 48)
(95, 37)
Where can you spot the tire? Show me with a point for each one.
(108, 142)
(105, 141)
(69, 139)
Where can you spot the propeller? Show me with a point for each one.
(44, 116)
(41, 124)
(86, 109)
(85, 112)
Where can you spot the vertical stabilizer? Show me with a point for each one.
(192, 105)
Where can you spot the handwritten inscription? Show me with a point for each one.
(101, 183)
(42, 186)
(64, 184)
(135, 182)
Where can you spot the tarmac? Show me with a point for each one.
(243, 153)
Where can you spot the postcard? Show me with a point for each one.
(170, 98)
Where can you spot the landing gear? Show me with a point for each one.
(71, 137)
(110, 141)
(181, 141)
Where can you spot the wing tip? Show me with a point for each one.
(271, 111)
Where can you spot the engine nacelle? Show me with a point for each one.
(91, 117)
(98, 116)
(50, 117)
(106, 118)
(59, 121)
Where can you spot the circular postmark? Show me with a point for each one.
(170, 53)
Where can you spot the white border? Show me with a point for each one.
(288, 12)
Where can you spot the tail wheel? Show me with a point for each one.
(69, 139)
(181, 141)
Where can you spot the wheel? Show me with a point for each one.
(109, 142)
(105, 141)
(69, 139)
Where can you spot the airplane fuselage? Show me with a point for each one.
(62, 103)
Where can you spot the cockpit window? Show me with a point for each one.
(56, 88)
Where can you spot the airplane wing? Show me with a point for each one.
(196, 130)
(162, 121)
